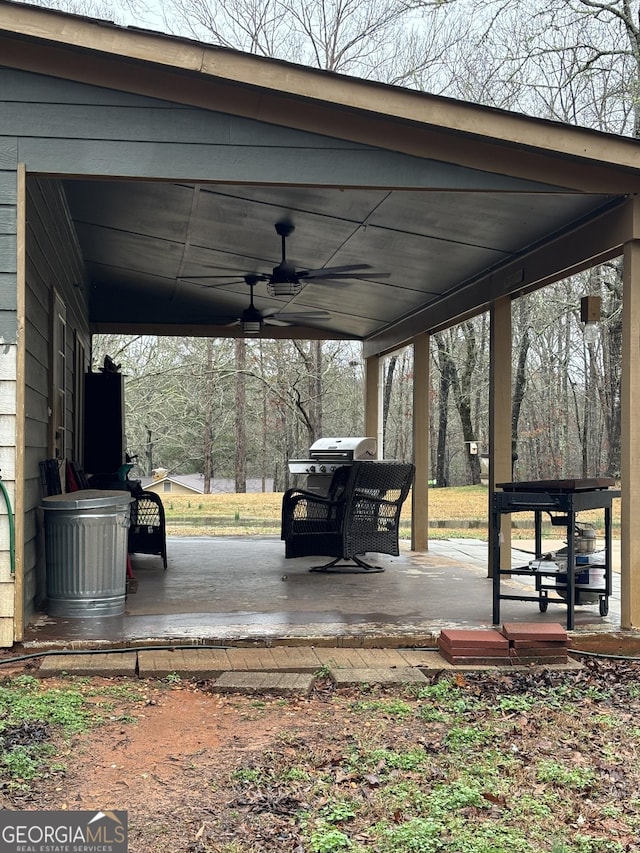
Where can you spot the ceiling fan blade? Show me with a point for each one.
(301, 315)
(273, 321)
(346, 276)
(329, 272)
(210, 275)
(227, 281)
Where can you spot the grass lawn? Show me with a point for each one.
(453, 512)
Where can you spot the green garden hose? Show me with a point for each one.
(12, 531)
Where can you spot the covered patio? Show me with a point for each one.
(134, 165)
(229, 590)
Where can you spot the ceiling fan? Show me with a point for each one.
(285, 280)
(252, 319)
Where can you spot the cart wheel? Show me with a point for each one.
(604, 606)
(543, 604)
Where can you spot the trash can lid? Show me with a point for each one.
(88, 499)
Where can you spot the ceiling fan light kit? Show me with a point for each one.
(283, 288)
(251, 328)
(285, 281)
(251, 318)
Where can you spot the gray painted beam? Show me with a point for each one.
(253, 164)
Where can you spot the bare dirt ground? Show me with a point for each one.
(540, 761)
(164, 755)
(161, 759)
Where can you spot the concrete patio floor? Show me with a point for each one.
(230, 590)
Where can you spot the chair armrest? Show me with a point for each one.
(374, 513)
(314, 497)
(290, 501)
(307, 511)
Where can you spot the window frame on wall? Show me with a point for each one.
(58, 394)
(79, 361)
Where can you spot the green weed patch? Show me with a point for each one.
(35, 718)
(476, 764)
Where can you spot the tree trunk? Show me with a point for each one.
(386, 399)
(207, 449)
(315, 388)
(520, 379)
(461, 386)
(443, 407)
(241, 421)
(148, 452)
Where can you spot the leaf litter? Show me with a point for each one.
(527, 761)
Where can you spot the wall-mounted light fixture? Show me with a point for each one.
(590, 316)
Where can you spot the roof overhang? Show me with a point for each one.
(461, 203)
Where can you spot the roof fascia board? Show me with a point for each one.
(285, 81)
(596, 241)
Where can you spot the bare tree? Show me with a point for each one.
(445, 364)
(118, 11)
(351, 36)
(241, 416)
(573, 60)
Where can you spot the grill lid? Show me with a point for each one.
(346, 448)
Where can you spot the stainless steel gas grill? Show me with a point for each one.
(327, 454)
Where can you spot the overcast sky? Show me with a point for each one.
(153, 19)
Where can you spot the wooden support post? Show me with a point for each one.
(630, 430)
(420, 494)
(372, 420)
(500, 393)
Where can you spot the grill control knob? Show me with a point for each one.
(323, 469)
(311, 469)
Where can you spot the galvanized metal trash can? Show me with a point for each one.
(86, 552)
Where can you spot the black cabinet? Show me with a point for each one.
(104, 440)
(561, 500)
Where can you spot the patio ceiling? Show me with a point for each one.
(142, 241)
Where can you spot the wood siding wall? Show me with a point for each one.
(8, 369)
(53, 266)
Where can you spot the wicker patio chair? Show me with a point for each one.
(363, 517)
(147, 533)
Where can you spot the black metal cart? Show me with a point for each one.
(562, 500)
